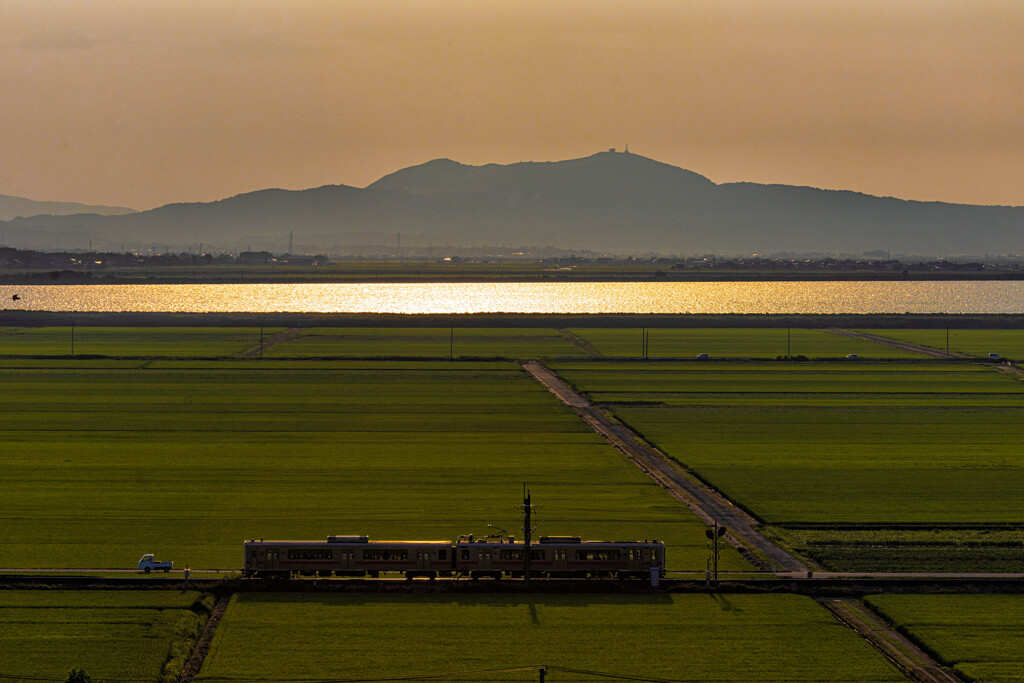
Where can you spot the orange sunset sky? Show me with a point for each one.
(145, 102)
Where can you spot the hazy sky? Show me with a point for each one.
(145, 102)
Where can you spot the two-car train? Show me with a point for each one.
(358, 556)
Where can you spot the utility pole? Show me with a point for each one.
(789, 354)
(451, 343)
(261, 338)
(947, 339)
(72, 335)
(527, 510)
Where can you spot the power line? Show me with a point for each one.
(476, 673)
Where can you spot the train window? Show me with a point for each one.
(385, 554)
(603, 554)
(309, 553)
(465, 553)
(536, 554)
(442, 554)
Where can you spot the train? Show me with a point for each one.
(549, 557)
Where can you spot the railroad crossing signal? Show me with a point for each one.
(714, 535)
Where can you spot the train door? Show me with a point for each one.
(423, 560)
(560, 561)
(273, 559)
(485, 559)
(633, 559)
(252, 558)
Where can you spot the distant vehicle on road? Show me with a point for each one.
(994, 356)
(703, 356)
(852, 356)
(149, 563)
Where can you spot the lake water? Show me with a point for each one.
(950, 297)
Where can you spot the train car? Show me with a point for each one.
(347, 556)
(561, 556)
(357, 556)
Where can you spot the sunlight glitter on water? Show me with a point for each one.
(953, 297)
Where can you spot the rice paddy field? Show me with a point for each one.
(426, 342)
(981, 637)
(182, 342)
(975, 343)
(731, 343)
(833, 448)
(679, 637)
(105, 460)
(113, 635)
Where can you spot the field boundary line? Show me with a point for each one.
(278, 338)
(707, 503)
(904, 654)
(892, 343)
(202, 648)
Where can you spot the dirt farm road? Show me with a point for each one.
(892, 343)
(705, 502)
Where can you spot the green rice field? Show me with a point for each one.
(793, 384)
(809, 443)
(679, 637)
(731, 343)
(980, 636)
(820, 450)
(113, 635)
(179, 342)
(426, 342)
(984, 548)
(975, 343)
(104, 461)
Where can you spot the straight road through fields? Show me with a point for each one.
(892, 343)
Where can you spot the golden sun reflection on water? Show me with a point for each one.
(530, 297)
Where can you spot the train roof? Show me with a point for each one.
(364, 540)
(336, 540)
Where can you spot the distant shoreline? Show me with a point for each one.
(88, 278)
(21, 318)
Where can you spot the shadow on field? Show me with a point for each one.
(476, 599)
(724, 603)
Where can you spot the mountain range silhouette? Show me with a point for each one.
(614, 202)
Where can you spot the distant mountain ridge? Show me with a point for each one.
(613, 202)
(19, 207)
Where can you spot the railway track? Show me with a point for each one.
(818, 583)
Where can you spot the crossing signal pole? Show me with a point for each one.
(714, 535)
(527, 528)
